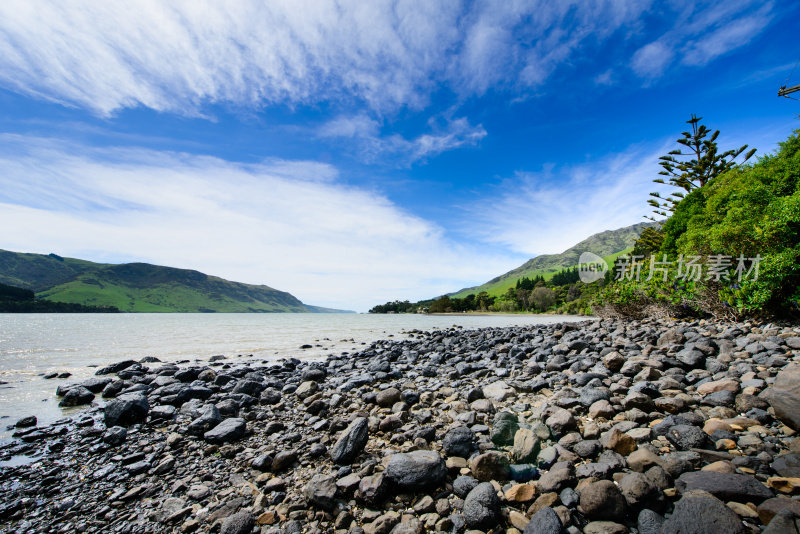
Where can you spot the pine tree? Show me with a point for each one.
(694, 168)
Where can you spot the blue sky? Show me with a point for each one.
(357, 152)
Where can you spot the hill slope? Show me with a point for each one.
(608, 244)
(140, 287)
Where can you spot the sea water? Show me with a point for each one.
(32, 345)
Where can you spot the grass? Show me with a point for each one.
(499, 287)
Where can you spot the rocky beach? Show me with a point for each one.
(604, 426)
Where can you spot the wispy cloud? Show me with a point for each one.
(701, 33)
(363, 135)
(385, 55)
(277, 222)
(547, 211)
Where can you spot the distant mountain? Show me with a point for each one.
(140, 287)
(608, 244)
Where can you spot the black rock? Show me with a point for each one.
(463, 485)
(545, 521)
(270, 396)
(115, 367)
(351, 442)
(724, 486)
(649, 522)
(701, 513)
(115, 435)
(482, 507)
(210, 417)
(26, 422)
(95, 385)
(428, 433)
(262, 462)
(77, 396)
(230, 429)
(416, 470)
(459, 441)
(192, 392)
(127, 409)
(248, 387)
(686, 437)
(113, 389)
(786, 465)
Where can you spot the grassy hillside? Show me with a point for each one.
(608, 244)
(140, 287)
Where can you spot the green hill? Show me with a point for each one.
(140, 287)
(608, 244)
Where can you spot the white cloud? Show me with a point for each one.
(288, 224)
(548, 211)
(701, 33)
(651, 60)
(362, 134)
(178, 56)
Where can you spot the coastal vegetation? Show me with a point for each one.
(738, 225)
(19, 300)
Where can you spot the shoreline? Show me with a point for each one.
(451, 430)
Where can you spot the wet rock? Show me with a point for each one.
(115, 435)
(26, 422)
(416, 470)
(76, 396)
(127, 409)
(351, 441)
(482, 507)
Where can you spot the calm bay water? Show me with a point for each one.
(32, 345)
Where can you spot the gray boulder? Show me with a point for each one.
(416, 470)
(699, 512)
(545, 521)
(482, 507)
(238, 523)
(784, 395)
(228, 430)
